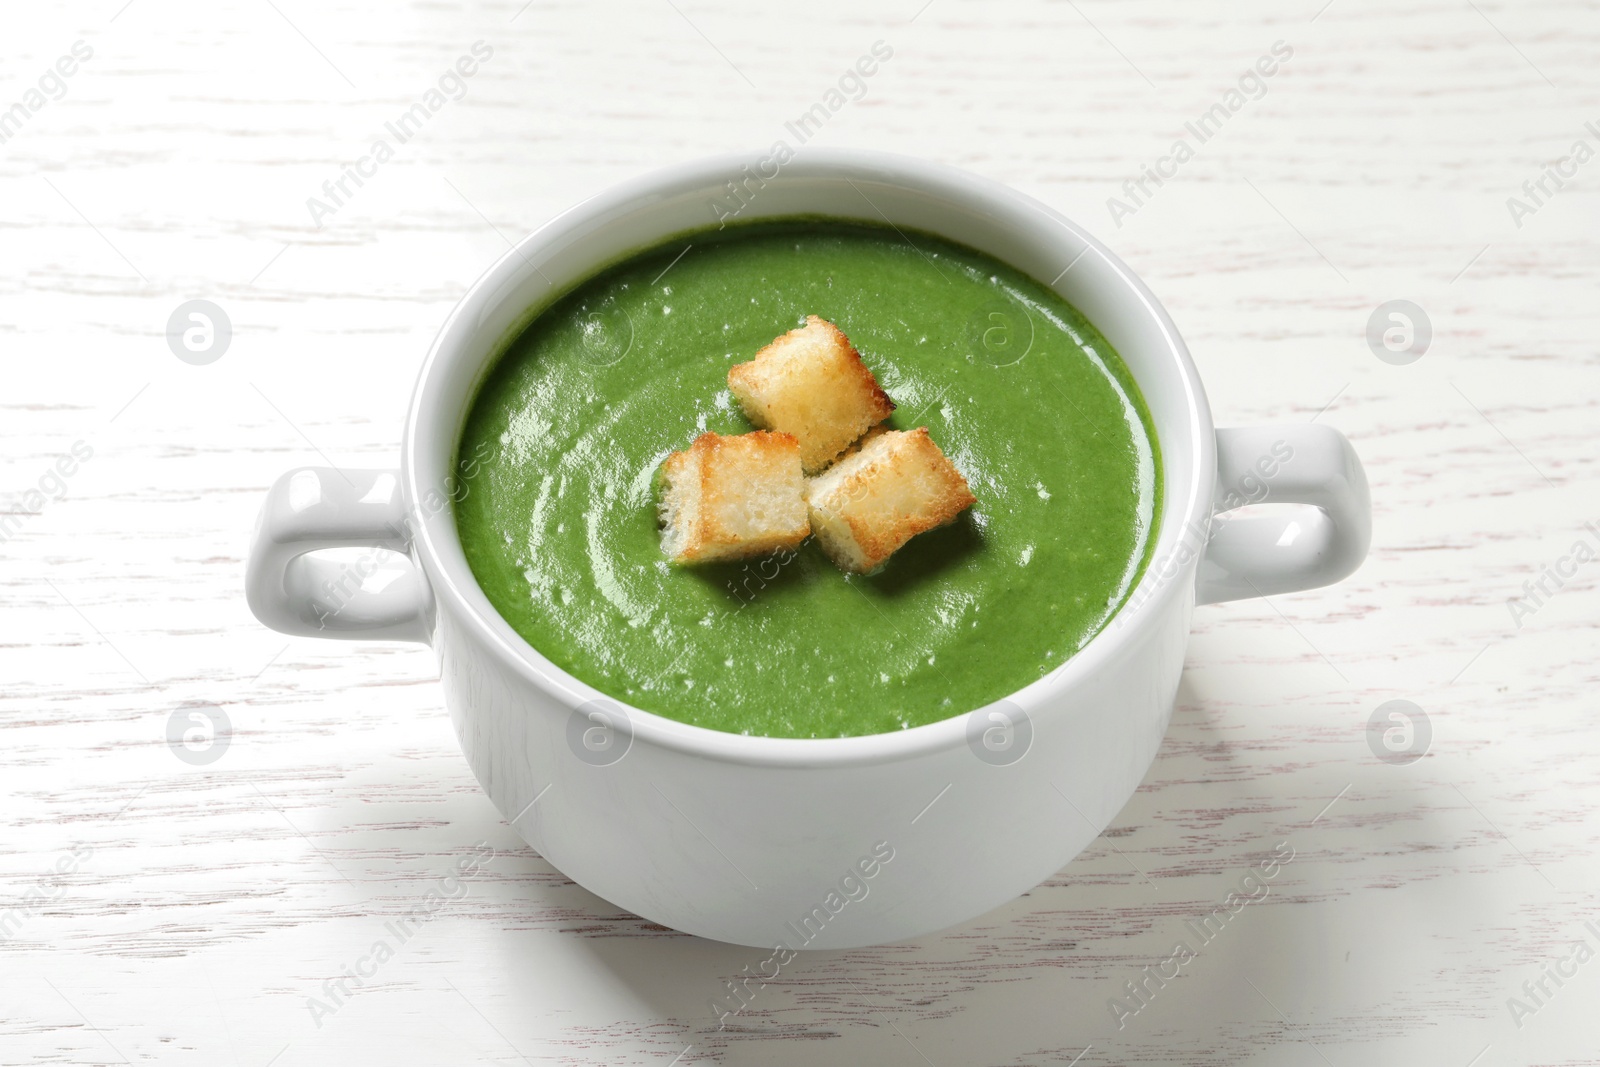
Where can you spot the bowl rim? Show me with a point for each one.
(444, 563)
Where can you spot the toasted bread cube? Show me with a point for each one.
(867, 505)
(733, 497)
(811, 383)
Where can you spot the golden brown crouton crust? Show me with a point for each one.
(878, 402)
(717, 476)
(827, 402)
(874, 533)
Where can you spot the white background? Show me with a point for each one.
(210, 903)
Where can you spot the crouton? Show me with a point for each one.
(732, 498)
(875, 500)
(811, 383)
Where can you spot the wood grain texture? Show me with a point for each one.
(206, 906)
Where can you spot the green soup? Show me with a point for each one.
(561, 446)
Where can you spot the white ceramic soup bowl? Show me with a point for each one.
(807, 843)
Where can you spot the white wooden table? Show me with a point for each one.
(159, 910)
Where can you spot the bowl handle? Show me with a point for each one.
(364, 596)
(1284, 550)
